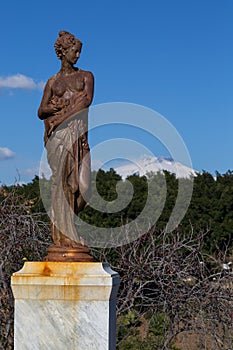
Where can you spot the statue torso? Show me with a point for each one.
(65, 85)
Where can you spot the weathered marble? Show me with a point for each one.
(65, 306)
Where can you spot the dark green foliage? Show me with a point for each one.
(139, 332)
(210, 210)
(106, 183)
(170, 283)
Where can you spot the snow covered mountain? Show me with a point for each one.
(153, 164)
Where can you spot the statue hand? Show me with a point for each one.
(59, 103)
(79, 97)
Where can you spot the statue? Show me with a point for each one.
(64, 109)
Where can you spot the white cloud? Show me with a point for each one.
(6, 153)
(30, 171)
(20, 81)
(41, 85)
(41, 169)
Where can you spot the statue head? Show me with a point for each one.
(64, 41)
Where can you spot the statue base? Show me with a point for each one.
(68, 254)
(65, 305)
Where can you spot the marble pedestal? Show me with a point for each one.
(65, 305)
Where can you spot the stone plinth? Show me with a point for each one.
(65, 305)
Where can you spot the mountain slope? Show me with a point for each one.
(149, 164)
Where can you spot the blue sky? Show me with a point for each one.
(172, 56)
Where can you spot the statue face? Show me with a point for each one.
(72, 53)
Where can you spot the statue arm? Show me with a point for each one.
(47, 107)
(89, 89)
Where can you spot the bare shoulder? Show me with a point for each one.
(51, 80)
(86, 74)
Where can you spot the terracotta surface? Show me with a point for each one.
(64, 110)
(62, 254)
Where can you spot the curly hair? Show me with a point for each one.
(64, 41)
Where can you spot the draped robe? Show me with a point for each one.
(68, 155)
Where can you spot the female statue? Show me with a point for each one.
(64, 109)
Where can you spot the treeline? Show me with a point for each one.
(174, 291)
(210, 209)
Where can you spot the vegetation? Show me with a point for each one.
(210, 209)
(174, 292)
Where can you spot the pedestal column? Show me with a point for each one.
(65, 305)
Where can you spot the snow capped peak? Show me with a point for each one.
(164, 159)
(149, 163)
